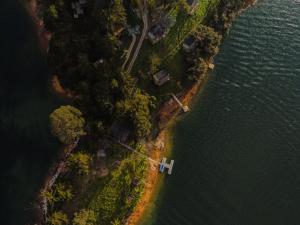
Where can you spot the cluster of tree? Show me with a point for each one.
(207, 45)
(82, 217)
(67, 124)
(208, 41)
(85, 53)
(225, 13)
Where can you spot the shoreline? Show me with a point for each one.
(167, 115)
(167, 122)
(153, 180)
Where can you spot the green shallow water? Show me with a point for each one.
(237, 153)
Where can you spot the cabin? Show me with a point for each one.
(156, 33)
(193, 4)
(161, 29)
(119, 133)
(189, 44)
(161, 78)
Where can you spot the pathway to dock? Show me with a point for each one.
(185, 108)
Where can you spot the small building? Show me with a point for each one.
(161, 78)
(193, 5)
(189, 44)
(120, 133)
(156, 33)
(161, 29)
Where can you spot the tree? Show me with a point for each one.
(81, 161)
(137, 107)
(84, 217)
(209, 40)
(58, 218)
(53, 11)
(59, 192)
(67, 124)
(116, 222)
(117, 15)
(154, 62)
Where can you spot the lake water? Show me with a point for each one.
(237, 153)
(27, 147)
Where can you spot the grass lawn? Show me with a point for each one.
(169, 50)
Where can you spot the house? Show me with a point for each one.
(193, 5)
(156, 33)
(189, 44)
(161, 78)
(161, 29)
(120, 133)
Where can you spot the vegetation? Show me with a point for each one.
(58, 218)
(121, 192)
(59, 193)
(67, 124)
(80, 161)
(86, 54)
(84, 217)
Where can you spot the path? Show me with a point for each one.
(144, 32)
(129, 50)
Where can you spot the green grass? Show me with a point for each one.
(185, 24)
(118, 196)
(169, 50)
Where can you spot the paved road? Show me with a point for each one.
(144, 32)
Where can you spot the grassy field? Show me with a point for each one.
(169, 50)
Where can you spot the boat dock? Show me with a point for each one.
(185, 108)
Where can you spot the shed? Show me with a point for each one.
(120, 133)
(161, 78)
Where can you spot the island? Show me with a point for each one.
(126, 70)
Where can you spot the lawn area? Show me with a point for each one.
(170, 51)
(121, 191)
(185, 24)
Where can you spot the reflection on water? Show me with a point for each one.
(238, 152)
(27, 147)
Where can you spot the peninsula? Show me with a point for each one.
(127, 69)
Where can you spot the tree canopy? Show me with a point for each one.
(67, 124)
(84, 217)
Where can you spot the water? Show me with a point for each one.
(238, 152)
(27, 148)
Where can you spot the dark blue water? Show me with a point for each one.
(26, 146)
(238, 152)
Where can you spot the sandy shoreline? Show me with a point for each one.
(167, 114)
(152, 177)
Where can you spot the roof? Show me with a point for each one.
(161, 78)
(120, 133)
(157, 31)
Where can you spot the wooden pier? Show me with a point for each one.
(185, 108)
